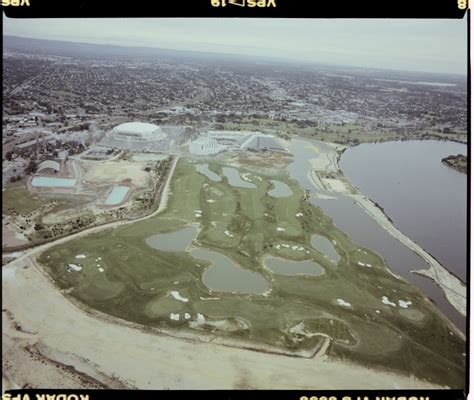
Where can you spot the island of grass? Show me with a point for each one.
(458, 162)
(355, 309)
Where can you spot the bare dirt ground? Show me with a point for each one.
(325, 161)
(115, 172)
(44, 332)
(10, 237)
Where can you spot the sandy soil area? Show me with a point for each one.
(12, 237)
(336, 146)
(325, 161)
(335, 185)
(324, 197)
(115, 172)
(56, 331)
(315, 179)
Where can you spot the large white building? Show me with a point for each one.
(213, 142)
(139, 136)
(205, 146)
(138, 131)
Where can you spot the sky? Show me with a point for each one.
(434, 45)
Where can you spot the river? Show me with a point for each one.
(426, 199)
(365, 231)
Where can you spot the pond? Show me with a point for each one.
(224, 275)
(173, 241)
(46, 181)
(234, 178)
(204, 169)
(325, 246)
(117, 195)
(280, 189)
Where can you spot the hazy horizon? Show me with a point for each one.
(436, 46)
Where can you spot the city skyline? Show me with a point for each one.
(438, 46)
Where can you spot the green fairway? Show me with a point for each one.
(165, 289)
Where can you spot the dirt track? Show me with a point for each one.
(38, 317)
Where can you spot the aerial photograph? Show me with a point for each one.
(234, 203)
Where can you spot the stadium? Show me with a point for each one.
(140, 131)
(138, 136)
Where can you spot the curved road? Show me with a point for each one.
(88, 231)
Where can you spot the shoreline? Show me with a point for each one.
(453, 291)
(452, 287)
(432, 136)
(450, 161)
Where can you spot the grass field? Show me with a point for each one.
(335, 133)
(345, 303)
(17, 198)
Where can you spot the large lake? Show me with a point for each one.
(353, 220)
(426, 199)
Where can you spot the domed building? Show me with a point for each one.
(142, 136)
(136, 136)
(138, 131)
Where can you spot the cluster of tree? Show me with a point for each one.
(15, 178)
(31, 168)
(80, 127)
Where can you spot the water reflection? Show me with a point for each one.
(224, 275)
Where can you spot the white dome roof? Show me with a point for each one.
(136, 127)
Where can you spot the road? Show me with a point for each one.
(161, 207)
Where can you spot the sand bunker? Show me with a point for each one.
(344, 303)
(175, 294)
(74, 267)
(386, 301)
(404, 304)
